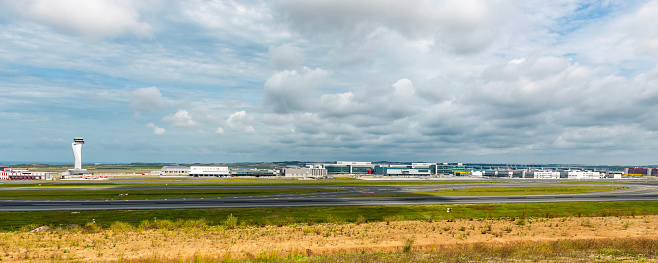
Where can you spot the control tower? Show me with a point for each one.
(77, 155)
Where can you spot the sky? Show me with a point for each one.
(493, 81)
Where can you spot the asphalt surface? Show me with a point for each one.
(353, 196)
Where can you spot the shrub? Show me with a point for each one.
(145, 225)
(91, 228)
(119, 226)
(407, 245)
(360, 220)
(231, 221)
(195, 223)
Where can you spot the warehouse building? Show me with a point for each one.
(642, 171)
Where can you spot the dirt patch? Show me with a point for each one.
(64, 245)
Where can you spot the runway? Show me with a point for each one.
(355, 196)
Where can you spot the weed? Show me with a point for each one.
(626, 225)
(587, 223)
(407, 245)
(520, 222)
(231, 221)
(360, 220)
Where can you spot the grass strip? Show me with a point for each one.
(228, 183)
(594, 182)
(147, 193)
(508, 191)
(12, 221)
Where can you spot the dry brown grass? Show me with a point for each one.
(459, 239)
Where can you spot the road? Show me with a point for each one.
(355, 196)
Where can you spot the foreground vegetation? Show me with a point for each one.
(13, 221)
(598, 250)
(570, 239)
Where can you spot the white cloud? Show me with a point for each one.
(147, 99)
(239, 121)
(156, 130)
(286, 56)
(463, 26)
(95, 19)
(384, 79)
(180, 119)
(289, 90)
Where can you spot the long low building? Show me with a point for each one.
(209, 171)
(536, 174)
(254, 172)
(304, 172)
(166, 170)
(10, 174)
(404, 170)
(581, 175)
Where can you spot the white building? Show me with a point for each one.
(543, 175)
(415, 169)
(613, 175)
(209, 171)
(304, 172)
(10, 174)
(166, 170)
(477, 173)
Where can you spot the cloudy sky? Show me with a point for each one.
(559, 81)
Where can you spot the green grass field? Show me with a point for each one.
(146, 193)
(12, 221)
(224, 183)
(509, 191)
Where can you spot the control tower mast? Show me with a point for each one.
(77, 155)
(77, 152)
